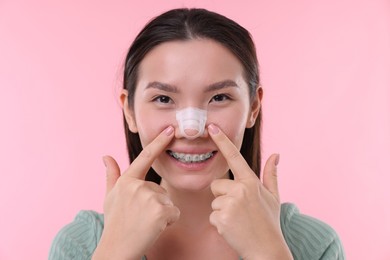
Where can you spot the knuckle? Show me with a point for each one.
(150, 198)
(159, 141)
(160, 209)
(137, 185)
(165, 214)
(126, 187)
(146, 153)
(175, 212)
(214, 205)
(221, 219)
(212, 218)
(234, 154)
(172, 212)
(231, 202)
(121, 184)
(224, 220)
(274, 173)
(215, 184)
(239, 189)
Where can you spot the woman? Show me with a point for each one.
(193, 192)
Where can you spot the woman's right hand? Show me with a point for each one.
(135, 211)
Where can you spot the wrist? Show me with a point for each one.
(107, 249)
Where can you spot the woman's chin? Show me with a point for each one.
(188, 183)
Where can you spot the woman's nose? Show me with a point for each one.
(190, 134)
(191, 122)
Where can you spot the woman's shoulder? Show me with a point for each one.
(78, 239)
(308, 237)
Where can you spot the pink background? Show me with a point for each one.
(325, 68)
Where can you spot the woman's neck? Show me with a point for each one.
(194, 206)
(192, 236)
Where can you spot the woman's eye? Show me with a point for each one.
(219, 98)
(163, 99)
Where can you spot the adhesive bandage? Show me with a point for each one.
(191, 122)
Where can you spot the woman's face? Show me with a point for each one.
(197, 73)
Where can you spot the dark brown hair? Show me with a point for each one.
(186, 24)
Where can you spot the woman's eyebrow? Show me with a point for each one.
(220, 85)
(173, 89)
(162, 86)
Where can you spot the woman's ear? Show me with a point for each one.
(128, 112)
(255, 108)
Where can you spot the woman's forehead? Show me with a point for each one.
(200, 60)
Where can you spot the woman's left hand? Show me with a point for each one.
(246, 212)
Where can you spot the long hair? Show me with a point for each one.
(186, 24)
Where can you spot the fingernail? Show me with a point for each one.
(104, 161)
(277, 159)
(169, 130)
(213, 129)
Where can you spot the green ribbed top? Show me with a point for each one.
(308, 238)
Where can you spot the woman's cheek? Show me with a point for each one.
(150, 125)
(232, 124)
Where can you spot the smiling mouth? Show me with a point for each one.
(191, 158)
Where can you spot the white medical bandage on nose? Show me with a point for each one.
(192, 122)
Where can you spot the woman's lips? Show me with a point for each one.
(191, 157)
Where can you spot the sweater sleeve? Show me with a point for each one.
(309, 238)
(79, 239)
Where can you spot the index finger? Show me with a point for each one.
(140, 165)
(235, 160)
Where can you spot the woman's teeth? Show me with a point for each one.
(191, 158)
